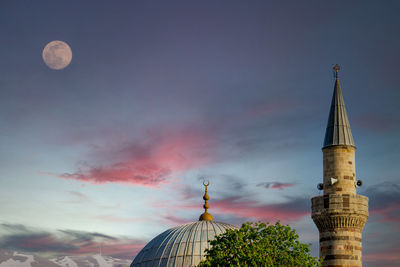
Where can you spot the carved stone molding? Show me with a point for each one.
(326, 221)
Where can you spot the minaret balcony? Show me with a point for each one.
(339, 211)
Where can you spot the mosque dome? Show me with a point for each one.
(182, 245)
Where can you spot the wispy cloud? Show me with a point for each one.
(243, 208)
(66, 242)
(77, 197)
(384, 202)
(173, 220)
(292, 210)
(275, 185)
(388, 258)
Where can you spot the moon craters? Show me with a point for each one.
(57, 55)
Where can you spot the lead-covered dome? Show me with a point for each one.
(183, 245)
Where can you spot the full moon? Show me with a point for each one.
(57, 55)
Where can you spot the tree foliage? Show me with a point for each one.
(259, 244)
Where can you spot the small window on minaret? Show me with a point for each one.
(326, 202)
(346, 201)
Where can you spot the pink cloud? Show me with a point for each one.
(291, 211)
(276, 185)
(124, 172)
(149, 162)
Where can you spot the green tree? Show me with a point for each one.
(259, 244)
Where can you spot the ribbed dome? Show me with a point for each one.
(183, 245)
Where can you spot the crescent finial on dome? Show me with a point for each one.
(206, 216)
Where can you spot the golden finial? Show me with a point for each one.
(206, 216)
(336, 68)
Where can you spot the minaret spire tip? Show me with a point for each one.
(338, 130)
(206, 216)
(336, 68)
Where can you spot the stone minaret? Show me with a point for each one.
(340, 214)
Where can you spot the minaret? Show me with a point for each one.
(340, 213)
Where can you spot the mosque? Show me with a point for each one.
(339, 214)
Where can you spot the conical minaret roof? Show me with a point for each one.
(338, 130)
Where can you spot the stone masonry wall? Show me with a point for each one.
(339, 163)
(340, 219)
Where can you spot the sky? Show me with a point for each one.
(162, 95)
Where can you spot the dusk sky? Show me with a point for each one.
(160, 95)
